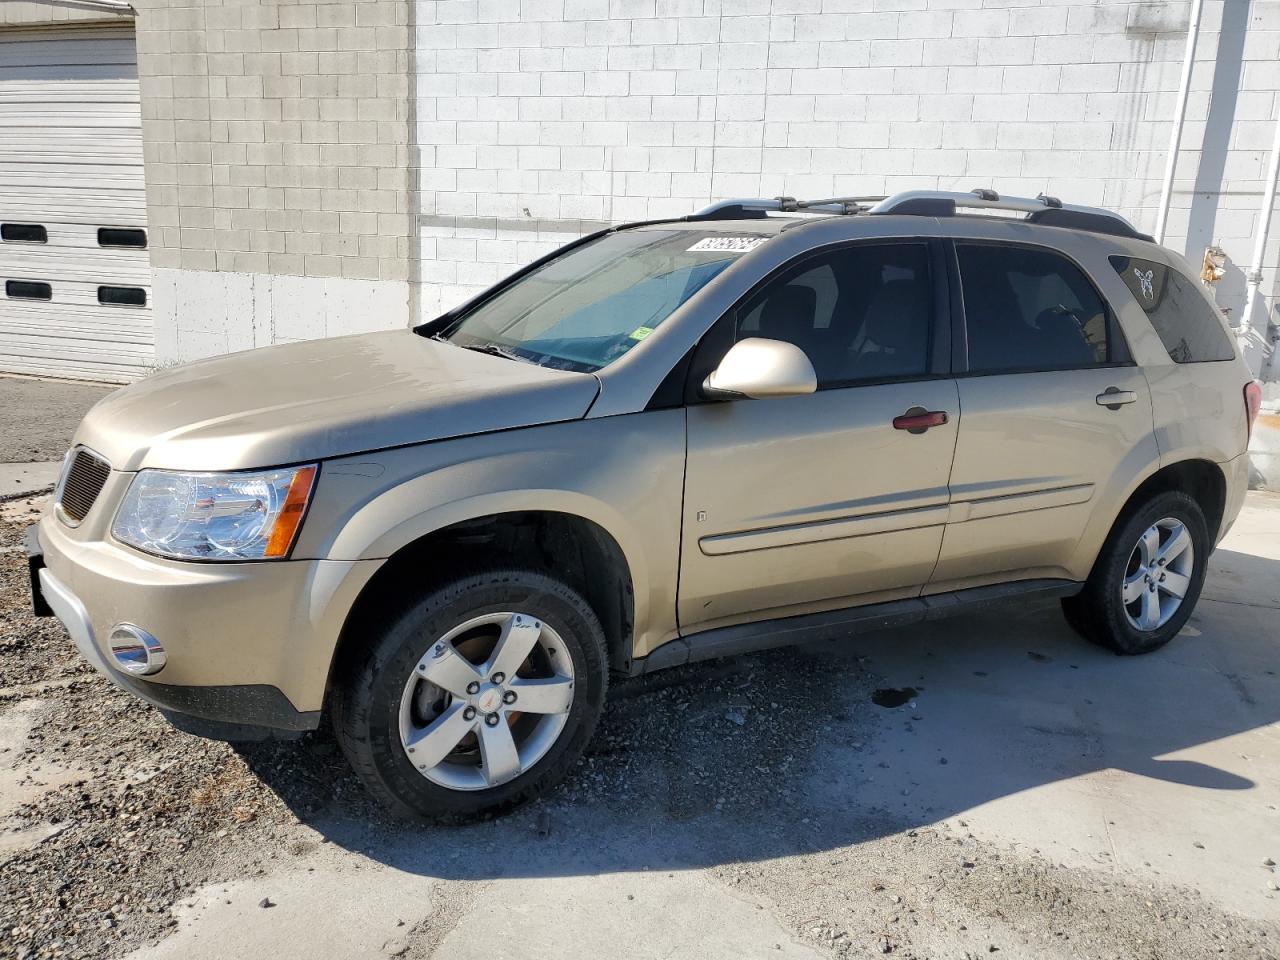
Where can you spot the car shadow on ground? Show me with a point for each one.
(784, 752)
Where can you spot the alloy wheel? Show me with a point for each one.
(486, 701)
(1158, 574)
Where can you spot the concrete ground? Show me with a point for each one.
(1139, 778)
(37, 419)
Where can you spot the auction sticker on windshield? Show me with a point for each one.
(727, 244)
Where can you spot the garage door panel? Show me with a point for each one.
(90, 340)
(72, 244)
(84, 295)
(43, 323)
(102, 47)
(119, 90)
(71, 162)
(68, 181)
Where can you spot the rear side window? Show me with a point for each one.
(860, 313)
(1029, 309)
(1180, 315)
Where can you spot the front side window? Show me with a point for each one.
(860, 313)
(587, 308)
(1182, 317)
(1029, 309)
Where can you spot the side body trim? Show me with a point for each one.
(816, 532)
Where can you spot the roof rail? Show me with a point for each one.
(1043, 210)
(751, 209)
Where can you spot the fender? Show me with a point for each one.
(625, 474)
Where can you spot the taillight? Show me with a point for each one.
(1252, 403)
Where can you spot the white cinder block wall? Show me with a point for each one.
(537, 120)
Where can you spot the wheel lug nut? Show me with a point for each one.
(509, 697)
(469, 713)
(491, 720)
(473, 688)
(498, 678)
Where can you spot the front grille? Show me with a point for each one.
(81, 483)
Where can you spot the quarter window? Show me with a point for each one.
(1179, 313)
(860, 313)
(1029, 309)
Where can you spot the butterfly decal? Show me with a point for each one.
(1148, 290)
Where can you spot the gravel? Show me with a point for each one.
(147, 815)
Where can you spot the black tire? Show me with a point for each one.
(1098, 613)
(367, 693)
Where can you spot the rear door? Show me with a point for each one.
(1055, 416)
(797, 504)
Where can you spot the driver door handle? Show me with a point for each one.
(918, 420)
(1113, 398)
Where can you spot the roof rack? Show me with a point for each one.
(1043, 210)
(753, 209)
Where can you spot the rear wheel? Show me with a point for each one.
(479, 696)
(1147, 579)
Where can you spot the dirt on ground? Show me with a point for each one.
(109, 819)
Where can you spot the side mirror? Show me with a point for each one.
(759, 368)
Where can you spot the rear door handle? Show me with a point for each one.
(1113, 398)
(918, 420)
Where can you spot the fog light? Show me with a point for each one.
(136, 651)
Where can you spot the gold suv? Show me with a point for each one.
(767, 422)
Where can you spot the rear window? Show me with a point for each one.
(1184, 320)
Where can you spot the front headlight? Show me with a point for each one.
(215, 516)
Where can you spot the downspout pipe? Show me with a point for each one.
(1180, 113)
(1254, 276)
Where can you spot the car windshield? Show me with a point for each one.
(587, 308)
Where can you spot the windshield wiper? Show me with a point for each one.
(493, 349)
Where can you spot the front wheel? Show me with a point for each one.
(1147, 579)
(474, 698)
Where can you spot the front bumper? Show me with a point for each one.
(248, 645)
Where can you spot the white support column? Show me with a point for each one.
(1256, 263)
(1180, 112)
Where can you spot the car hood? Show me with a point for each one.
(324, 398)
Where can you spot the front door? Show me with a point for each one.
(1039, 447)
(799, 504)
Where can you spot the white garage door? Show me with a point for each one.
(73, 258)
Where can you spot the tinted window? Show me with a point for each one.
(28, 290)
(125, 296)
(1028, 309)
(23, 233)
(859, 313)
(121, 237)
(1181, 316)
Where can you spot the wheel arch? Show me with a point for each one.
(568, 546)
(1202, 480)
